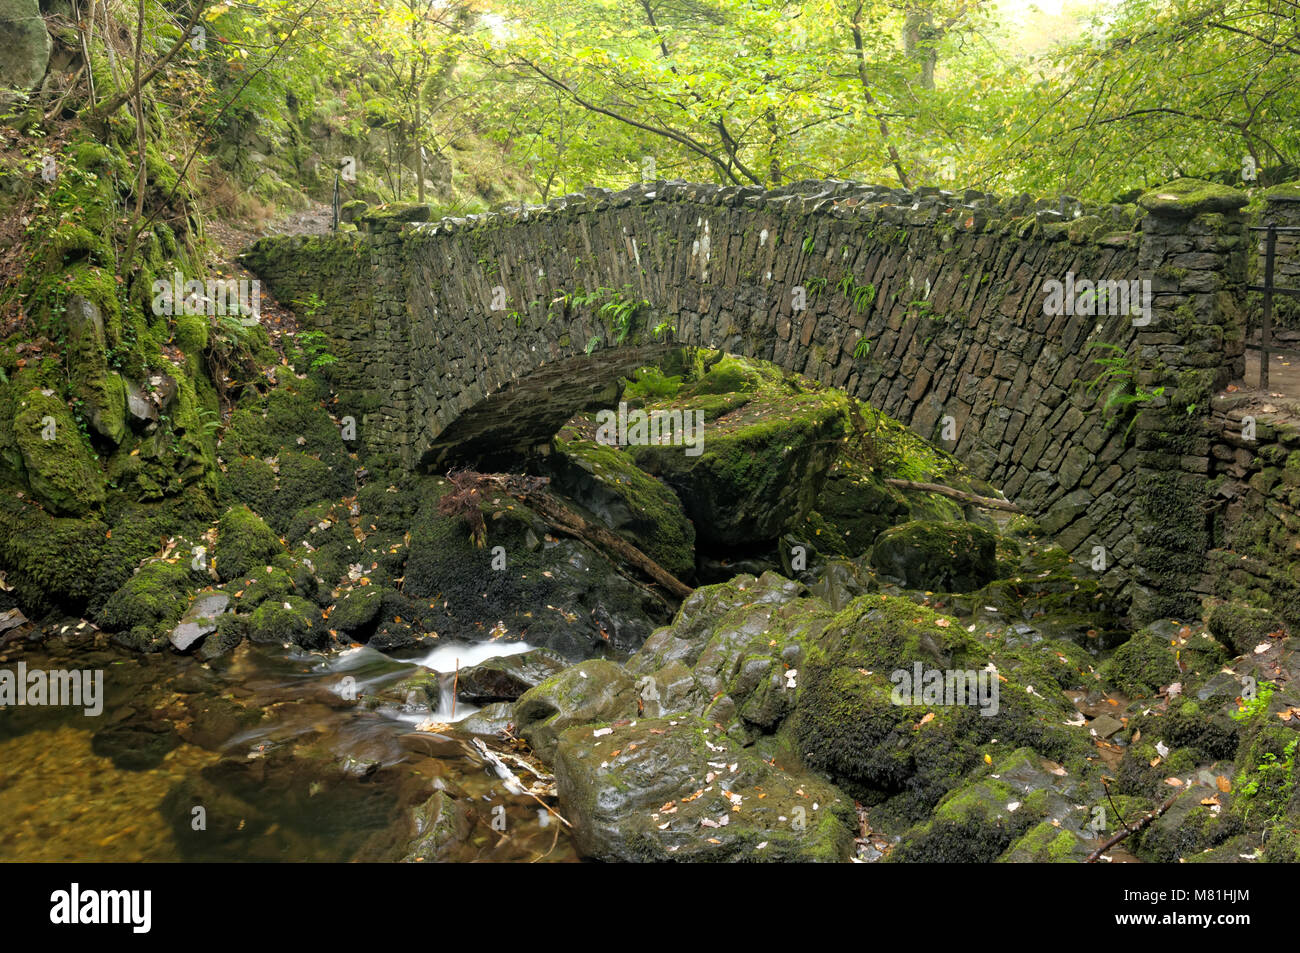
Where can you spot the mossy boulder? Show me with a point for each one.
(937, 557)
(26, 46)
(507, 677)
(650, 791)
(1161, 654)
(979, 821)
(357, 610)
(59, 467)
(260, 583)
(742, 674)
(1242, 626)
(692, 627)
(144, 610)
(861, 721)
(593, 691)
(1047, 843)
(283, 454)
(51, 561)
(859, 507)
(290, 620)
(1195, 822)
(759, 469)
(605, 482)
(244, 541)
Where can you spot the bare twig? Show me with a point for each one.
(1129, 831)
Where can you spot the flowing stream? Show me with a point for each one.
(258, 756)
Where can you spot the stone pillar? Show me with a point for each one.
(1194, 253)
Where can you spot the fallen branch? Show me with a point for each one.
(531, 491)
(987, 502)
(1130, 831)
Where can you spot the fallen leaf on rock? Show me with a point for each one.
(1174, 782)
(1223, 784)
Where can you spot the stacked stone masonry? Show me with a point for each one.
(461, 336)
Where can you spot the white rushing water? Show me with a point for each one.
(446, 659)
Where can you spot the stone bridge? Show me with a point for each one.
(479, 336)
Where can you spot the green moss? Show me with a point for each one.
(259, 585)
(59, 467)
(357, 610)
(940, 557)
(145, 609)
(643, 510)
(49, 561)
(973, 824)
(761, 467)
(1046, 843)
(1188, 197)
(288, 620)
(244, 542)
(1242, 626)
(1141, 666)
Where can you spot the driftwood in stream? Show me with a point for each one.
(986, 501)
(531, 491)
(1130, 831)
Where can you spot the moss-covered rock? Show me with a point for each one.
(939, 557)
(291, 620)
(144, 610)
(760, 467)
(357, 610)
(244, 541)
(59, 467)
(1189, 197)
(693, 626)
(1161, 654)
(859, 507)
(857, 722)
(593, 691)
(1047, 843)
(649, 791)
(1195, 822)
(605, 482)
(1242, 626)
(507, 677)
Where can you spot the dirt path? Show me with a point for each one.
(316, 219)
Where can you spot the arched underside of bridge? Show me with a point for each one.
(527, 411)
(473, 337)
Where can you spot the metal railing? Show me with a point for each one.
(1267, 346)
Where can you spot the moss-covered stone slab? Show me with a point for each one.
(1185, 198)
